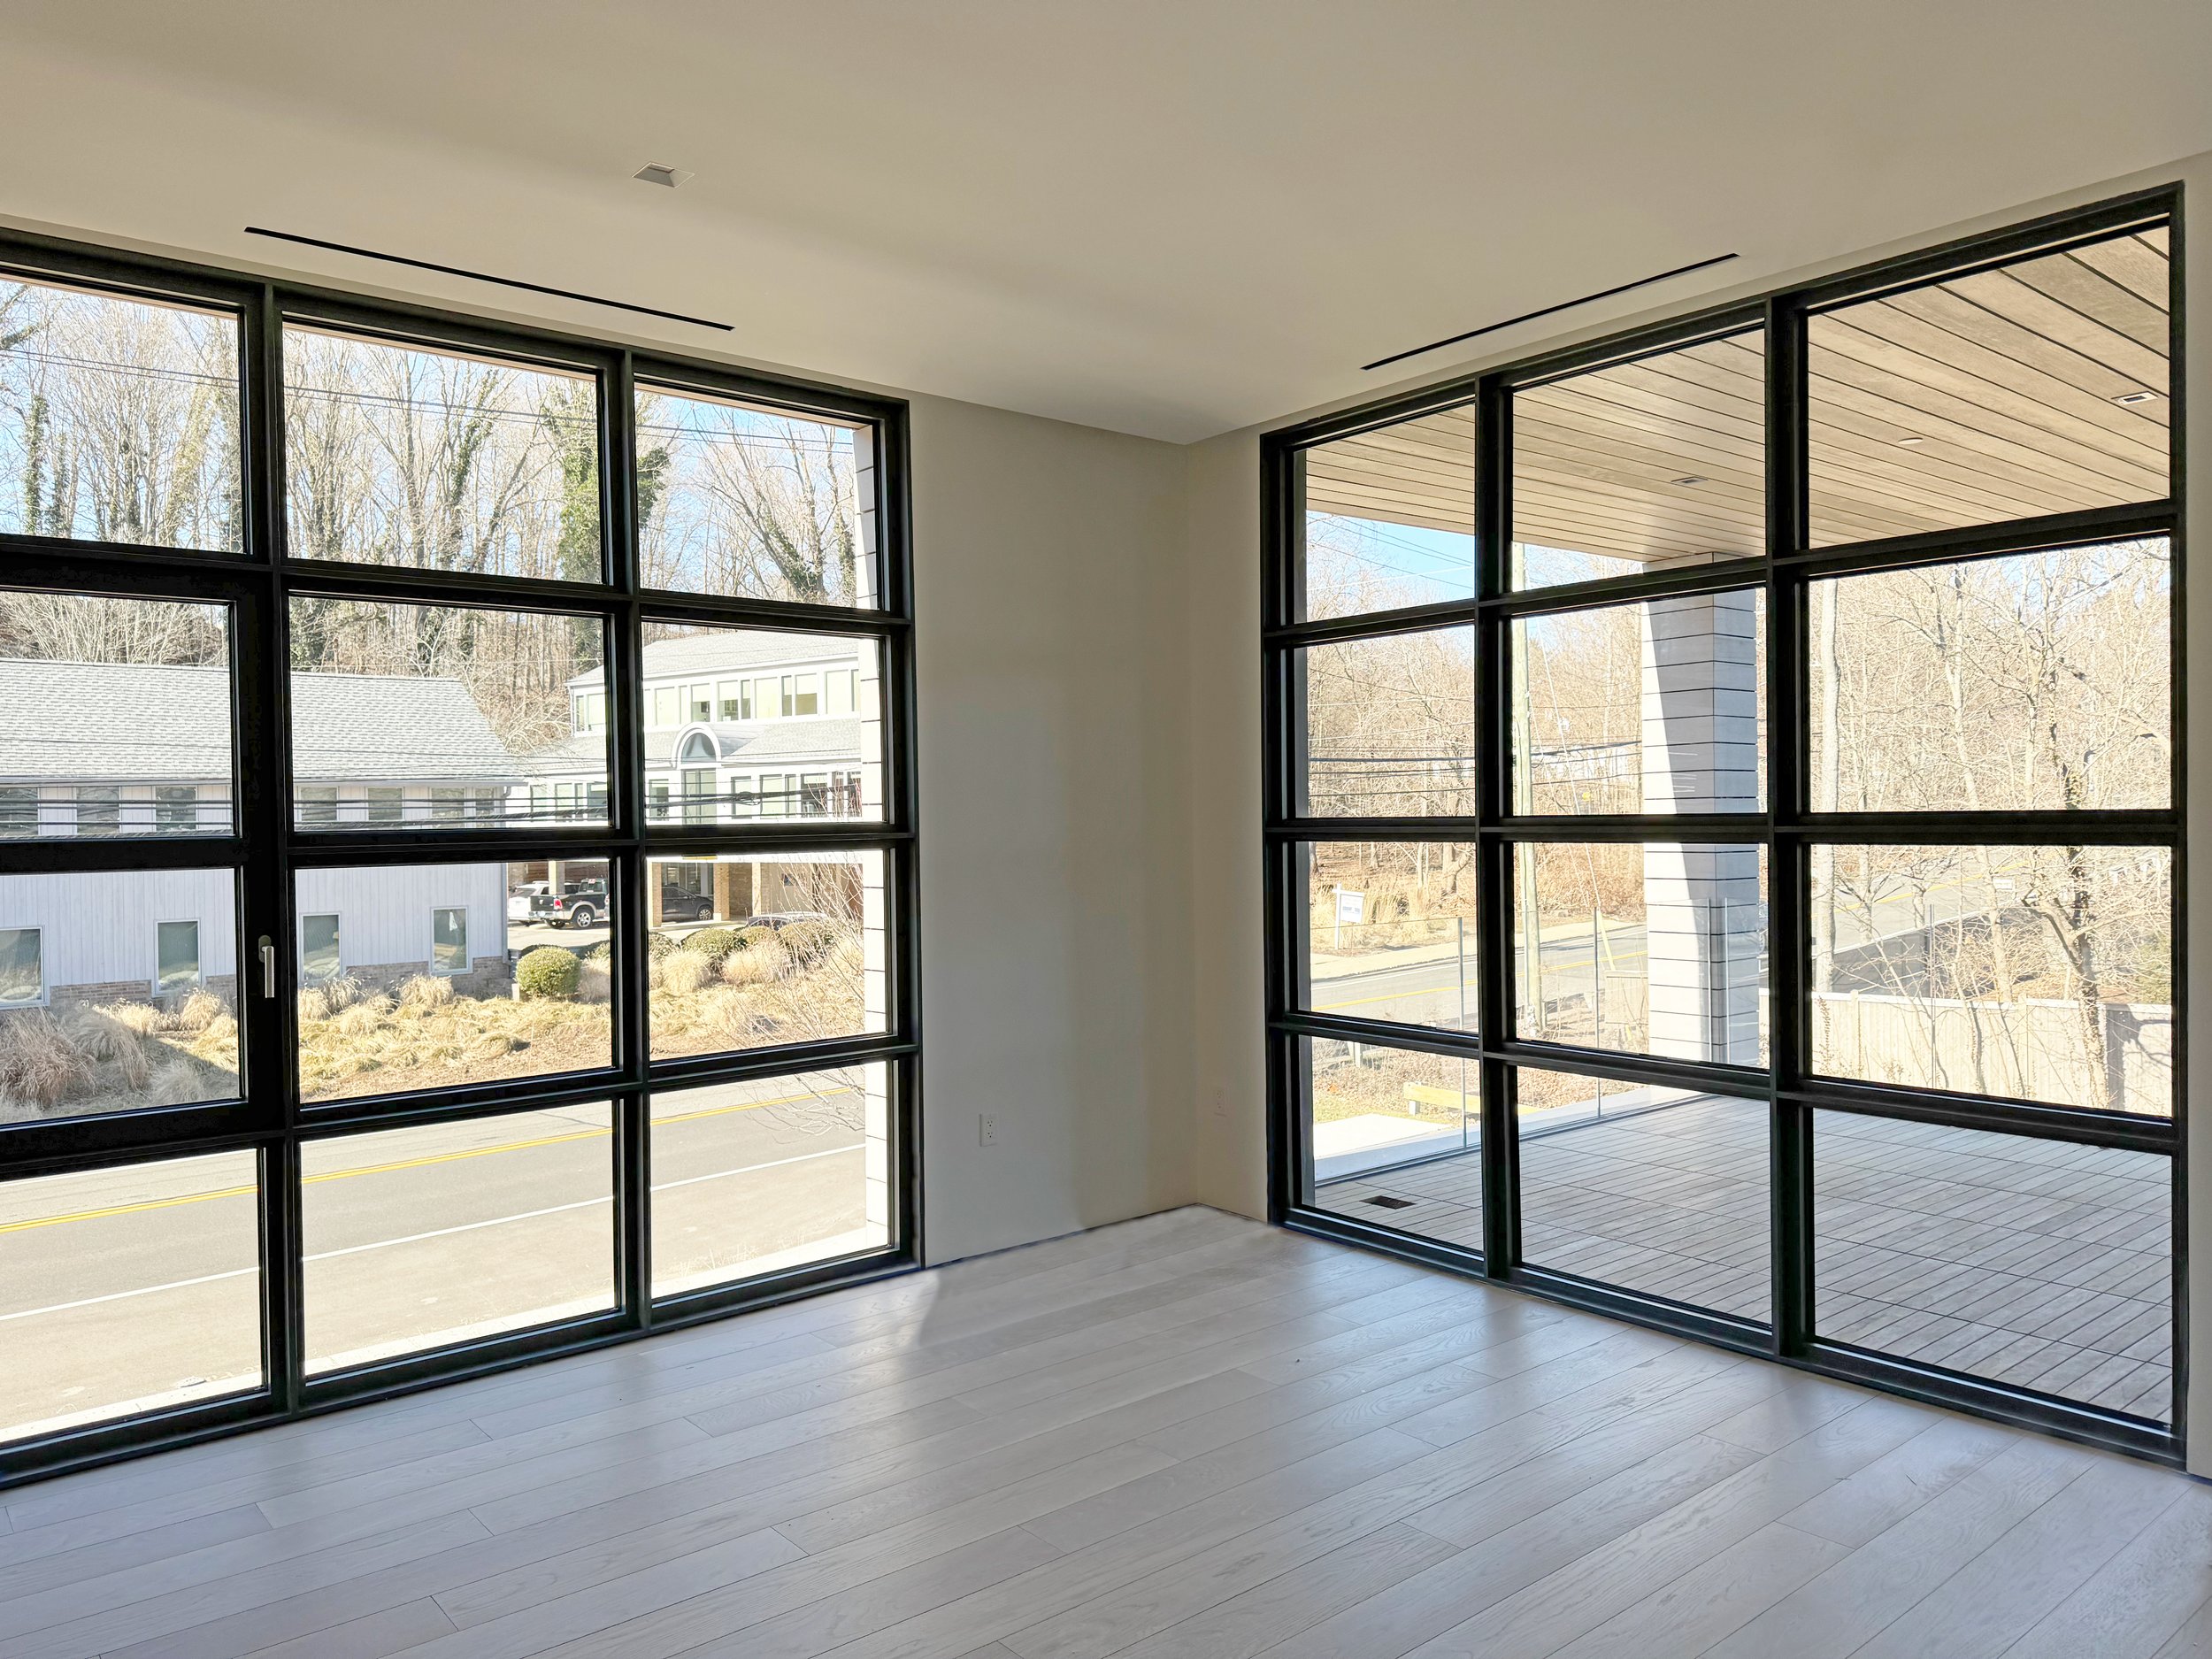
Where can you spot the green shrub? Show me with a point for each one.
(550, 973)
(755, 938)
(713, 943)
(658, 945)
(599, 952)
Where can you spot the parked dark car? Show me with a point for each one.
(781, 920)
(679, 906)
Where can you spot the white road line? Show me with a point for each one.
(412, 1238)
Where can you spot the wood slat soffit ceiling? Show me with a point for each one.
(2040, 386)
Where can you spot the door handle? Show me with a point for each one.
(268, 967)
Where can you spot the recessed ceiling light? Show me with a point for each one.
(653, 173)
(1909, 442)
(2137, 397)
(1691, 478)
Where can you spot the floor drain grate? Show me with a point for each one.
(1385, 1201)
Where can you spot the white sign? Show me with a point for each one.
(1351, 908)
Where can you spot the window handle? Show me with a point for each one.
(268, 967)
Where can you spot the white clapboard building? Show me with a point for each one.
(132, 750)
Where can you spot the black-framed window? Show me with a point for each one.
(368, 1017)
(1723, 841)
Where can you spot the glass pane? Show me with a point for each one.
(2038, 388)
(1396, 1138)
(396, 706)
(754, 503)
(1390, 932)
(319, 957)
(2041, 1264)
(443, 976)
(424, 1237)
(119, 990)
(751, 949)
(754, 1178)
(176, 957)
(439, 460)
(118, 717)
(127, 1290)
(1644, 948)
(719, 748)
(2035, 682)
(2044, 973)
(1390, 726)
(1657, 707)
(119, 419)
(1390, 517)
(1664, 1191)
(1642, 466)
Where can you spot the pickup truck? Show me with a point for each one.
(578, 904)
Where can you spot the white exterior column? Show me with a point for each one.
(1702, 914)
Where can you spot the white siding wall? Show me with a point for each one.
(384, 913)
(98, 928)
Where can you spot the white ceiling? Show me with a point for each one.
(1166, 217)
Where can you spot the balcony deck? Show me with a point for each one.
(2040, 1264)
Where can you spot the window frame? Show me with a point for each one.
(1786, 827)
(256, 585)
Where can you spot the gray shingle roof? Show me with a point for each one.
(728, 651)
(147, 723)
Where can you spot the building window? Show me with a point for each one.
(22, 973)
(176, 809)
(449, 940)
(814, 794)
(802, 694)
(839, 688)
(1830, 862)
(775, 801)
(176, 956)
(699, 794)
(99, 809)
(472, 643)
(743, 802)
(318, 946)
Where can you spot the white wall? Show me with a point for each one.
(1056, 930)
(384, 911)
(99, 928)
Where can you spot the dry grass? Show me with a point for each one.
(82, 1059)
(432, 1038)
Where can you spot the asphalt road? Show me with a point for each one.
(1889, 957)
(140, 1285)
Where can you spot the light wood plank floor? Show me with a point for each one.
(2034, 1263)
(1189, 1435)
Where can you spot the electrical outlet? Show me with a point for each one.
(986, 1130)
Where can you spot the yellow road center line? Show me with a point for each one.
(382, 1169)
